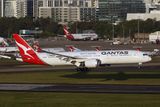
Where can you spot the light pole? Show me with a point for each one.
(36, 30)
(123, 31)
(113, 25)
(138, 26)
(112, 31)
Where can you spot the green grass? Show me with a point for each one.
(35, 99)
(139, 78)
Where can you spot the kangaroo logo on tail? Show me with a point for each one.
(26, 51)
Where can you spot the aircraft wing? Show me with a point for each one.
(9, 56)
(6, 57)
(73, 60)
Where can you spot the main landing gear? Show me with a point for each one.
(82, 69)
(139, 65)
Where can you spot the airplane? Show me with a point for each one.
(8, 49)
(82, 60)
(12, 52)
(2, 41)
(80, 36)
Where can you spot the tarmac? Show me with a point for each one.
(90, 45)
(81, 88)
(112, 68)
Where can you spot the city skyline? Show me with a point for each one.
(76, 10)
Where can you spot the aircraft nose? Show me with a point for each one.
(149, 58)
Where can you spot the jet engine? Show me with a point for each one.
(92, 63)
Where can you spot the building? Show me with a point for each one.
(30, 8)
(156, 1)
(59, 14)
(15, 8)
(10, 8)
(18, 8)
(21, 8)
(88, 14)
(116, 10)
(1, 8)
(36, 5)
(144, 16)
(68, 14)
(43, 5)
(45, 12)
(67, 10)
(77, 10)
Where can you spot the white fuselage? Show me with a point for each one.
(106, 57)
(9, 49)
(91, 36)
(53, 49)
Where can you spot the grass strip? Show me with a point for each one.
(47, 99)
(134, 78)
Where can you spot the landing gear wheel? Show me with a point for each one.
(139, 65)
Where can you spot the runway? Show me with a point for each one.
(125, 89)
(112, 68)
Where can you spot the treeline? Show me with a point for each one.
(104, 29)
(12, 25)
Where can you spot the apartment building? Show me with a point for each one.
(68, 10)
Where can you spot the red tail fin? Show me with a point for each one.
(69, 36)
(26, 51)
(71, 48)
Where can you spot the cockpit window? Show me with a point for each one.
(145, 54)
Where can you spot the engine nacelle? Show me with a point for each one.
(92, 63)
